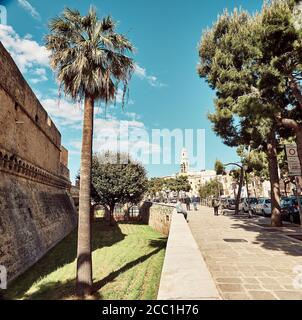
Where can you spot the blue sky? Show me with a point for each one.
(165, 91)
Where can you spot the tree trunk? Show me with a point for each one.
(285, 188)
(299, 143)
(126, 210)
(274, 179)
(84, 260)
(92, 212)
(239, 191)
(111, 215)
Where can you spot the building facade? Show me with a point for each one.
(256, 187)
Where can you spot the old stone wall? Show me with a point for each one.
(36, 210)
(25, 127)
(157, 216)
(33, 218)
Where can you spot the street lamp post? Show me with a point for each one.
(247, 183)
(245, 168)
(241, 179)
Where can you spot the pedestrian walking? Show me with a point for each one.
(194, 202)
(187, 202)
(216, 204)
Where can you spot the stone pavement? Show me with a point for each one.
(260, 267)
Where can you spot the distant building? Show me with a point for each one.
(195, 178)
(256, 187)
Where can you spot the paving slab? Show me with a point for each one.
(263, 266)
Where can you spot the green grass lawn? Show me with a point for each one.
(127, 263)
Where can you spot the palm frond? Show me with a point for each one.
(88, 56)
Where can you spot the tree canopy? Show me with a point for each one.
(212, 188)
(177, 184)
(254, 64)
(117, 179)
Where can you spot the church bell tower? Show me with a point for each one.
(184, 162)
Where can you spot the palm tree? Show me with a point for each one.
(90, 60)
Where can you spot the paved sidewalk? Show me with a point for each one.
(259, 267)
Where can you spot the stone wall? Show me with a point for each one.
(36, 210)
(185, 275)
(33, 218)
(157, 216)
(25, 127)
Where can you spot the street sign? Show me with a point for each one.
(294, 167)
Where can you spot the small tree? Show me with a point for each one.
(154, 186)
(178, 184)
(117, 179)
(219, 168)
(211, 188)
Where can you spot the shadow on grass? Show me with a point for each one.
(63, 253)
(159, 244)
(58, 290)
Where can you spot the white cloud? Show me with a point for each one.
(27, 53)
(119, 98)
(129, 135)
(142, 74)
(120, 135)
(30, 9)
(133, 115)
(63, 112)
(139, 71)
(40, 75)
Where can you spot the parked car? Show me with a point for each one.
(249, 203)
(230, 204)
(224, 203)
(290, 210)
(240, 204)
(263, 207)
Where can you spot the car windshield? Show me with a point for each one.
(267, 201)
(285, 202)
(253, 200)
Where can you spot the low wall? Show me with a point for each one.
(185, 275)
(157, 216)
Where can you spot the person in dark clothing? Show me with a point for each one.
(187, 202)
(194, 202)
(215, 204)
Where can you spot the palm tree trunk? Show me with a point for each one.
(274, 179)
(84, 261)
